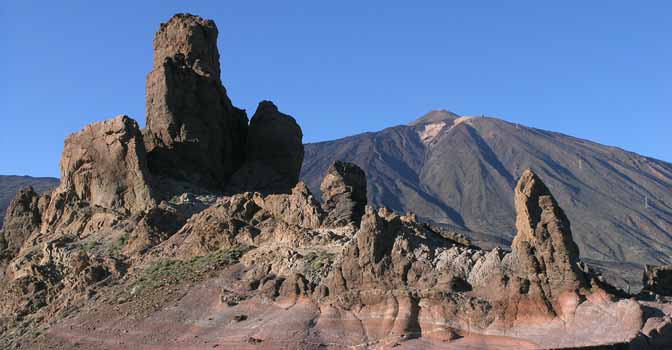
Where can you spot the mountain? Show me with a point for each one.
(195, 233)
(459, 172)
(10, 185)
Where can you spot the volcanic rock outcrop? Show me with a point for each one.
(105, 165)
(23, 217)
(193, 132)
(427, 285)
(543, 247)
(274, 153)
(196, 135)
(109, 260)
(344, 193)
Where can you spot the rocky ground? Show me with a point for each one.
(136, 250)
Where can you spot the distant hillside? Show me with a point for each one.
(10, 184)
(461, 171)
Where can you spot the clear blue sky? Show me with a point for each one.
(600, 70)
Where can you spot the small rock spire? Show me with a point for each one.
(344, 194)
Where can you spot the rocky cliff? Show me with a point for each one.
(124, 255)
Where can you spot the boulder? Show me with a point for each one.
(274, 153)
(105, 165)
(545, 254)
(193, 132)
(344, 194)
(658, 279)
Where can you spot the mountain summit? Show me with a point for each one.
(436, 116)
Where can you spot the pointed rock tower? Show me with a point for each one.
(194, 133)
(544, 250)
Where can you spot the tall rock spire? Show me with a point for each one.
(546, 254)
(193, 131)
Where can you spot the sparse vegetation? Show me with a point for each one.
(117, 246)
(318, 263)
(90, 245)
(175, 271)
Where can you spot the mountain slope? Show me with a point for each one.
(10, 185)
(458, 171)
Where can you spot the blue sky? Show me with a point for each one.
(600, 70)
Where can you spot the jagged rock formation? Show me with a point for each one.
(249, 219)
(105, 165)
(110, 264)
(299, 208)
(400, 281)
(195, 134)
(658, 279)
(153, 227)
(545, 251)
(10, 185)
(274, 153)
(23, 217)
(344, 193)
(193, 130)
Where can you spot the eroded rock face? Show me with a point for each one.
(344, 194)
(193, 131)
(274, 153)
(545, 253)
(658, 279)
(105, 165)
(298, 208)
(23, 217)
(151, 228)
(250, 219)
